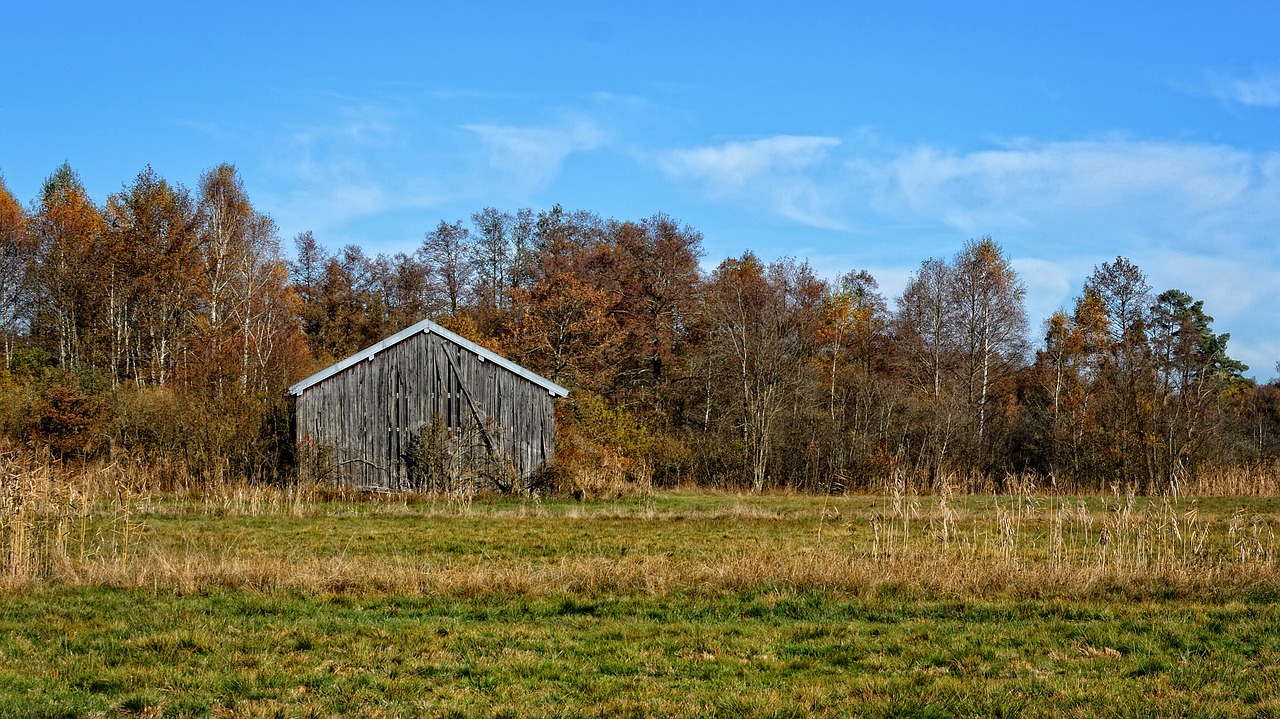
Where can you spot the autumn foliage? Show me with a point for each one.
(165, 324)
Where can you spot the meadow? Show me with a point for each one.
(243, 600)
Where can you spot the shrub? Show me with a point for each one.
(68, 420)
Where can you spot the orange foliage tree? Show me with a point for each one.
(16, 262)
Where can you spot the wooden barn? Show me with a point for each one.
(427, 409)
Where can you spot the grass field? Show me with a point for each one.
(260, 602)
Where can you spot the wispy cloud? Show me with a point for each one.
(1023, 184)
(783, 172)
(346, 165)
(1140, 186)
(732, 167)
(527, 159)
(1239, 291)
(1201, 217)
(371, 172)
(1262, 89)
(1049, 281)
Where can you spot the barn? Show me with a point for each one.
(427, 409)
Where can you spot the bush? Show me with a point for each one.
(69, 420)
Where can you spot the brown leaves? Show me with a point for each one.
(68, 420)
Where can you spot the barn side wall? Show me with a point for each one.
(365, 416)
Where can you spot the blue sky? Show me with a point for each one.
(859, 136)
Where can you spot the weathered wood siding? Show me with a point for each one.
(366, 415)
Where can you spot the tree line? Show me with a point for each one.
(166, 324)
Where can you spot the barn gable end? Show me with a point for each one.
(371, 412)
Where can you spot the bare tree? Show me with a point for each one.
(1125, 296)
(924, 326)
(245, 280)
(492, 258)
(961, 327)
(764, 324)
(854, 325)
(448, 255)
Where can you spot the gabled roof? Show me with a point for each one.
(429, 327)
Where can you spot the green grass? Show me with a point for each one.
(77, 651)
(682, 604)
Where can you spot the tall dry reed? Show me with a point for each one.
(1026, 530)
(52, 519)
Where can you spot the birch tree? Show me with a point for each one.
(250, 306)
(67, 232)
(992, 325)
(924, 326)
(225, 216)
(154, 271)
(855, 321)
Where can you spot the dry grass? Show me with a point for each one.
(827, 570)
(103, 526)
(1255, 481)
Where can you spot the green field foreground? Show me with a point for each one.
(258, 602)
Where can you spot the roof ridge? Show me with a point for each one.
(429, 327)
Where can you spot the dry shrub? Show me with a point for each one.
(17, 398)
(457, 463)
(69, 420)
(587, 470)
(602, 452)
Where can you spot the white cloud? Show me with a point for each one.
(527, 159)
(1201, 217)
(1260, 90)
(1084, 195)
(782, 172)
(346, 165)
(1228, 285)
(1241, 292)
(1198, 217)
(822, 182)
(323, 207)
(373, 173)
(1050, 284)
(730, 167)
(1023, 183)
